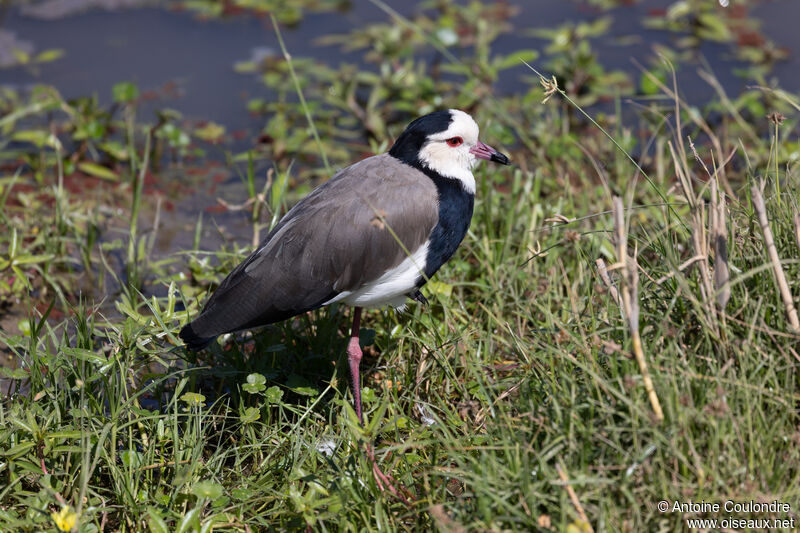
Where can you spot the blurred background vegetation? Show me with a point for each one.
(146, 146)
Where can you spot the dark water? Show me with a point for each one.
(158, 49)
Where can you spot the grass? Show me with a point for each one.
(516, 401)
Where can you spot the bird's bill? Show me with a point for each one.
(484, 151)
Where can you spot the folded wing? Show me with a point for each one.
(348, 232)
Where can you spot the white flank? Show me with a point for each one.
(391, 288)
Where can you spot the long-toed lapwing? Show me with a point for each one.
(370, 236)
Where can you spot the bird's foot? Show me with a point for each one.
(386, 482)
(418, 296)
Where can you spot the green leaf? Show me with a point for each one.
(18, 450)
(440, 288)
(274, 394)
(177, 138)
(368, 395)
(255, 383)
(242, 493)
(65, 434)
(250, 415)
(132, 458)
(21, 56)
(28, 259)
(210, 132)
(98, 171)
(85, 355)
(300, 385)
(38, 137)
(49, 55)
(125, 92)
(515, 59)
(190, 519)
(714, 28)
(156, 523)
(207, 489)
(678, 10)
(193, 398)
(115, 149)
(16, 373)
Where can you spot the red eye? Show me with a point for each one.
(454, 141)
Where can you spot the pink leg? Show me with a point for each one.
(354, 355)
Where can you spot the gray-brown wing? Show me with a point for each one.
(340, 237)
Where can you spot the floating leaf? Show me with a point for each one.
(255, 383)
(274, 394)
(21, 56)
(175, 136)
(713, 28)
(210, 132)
(125, 92)
(49, 55)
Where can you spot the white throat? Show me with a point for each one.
(446, 165)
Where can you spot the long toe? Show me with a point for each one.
(387, 482)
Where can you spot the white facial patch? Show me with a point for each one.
(454, 162)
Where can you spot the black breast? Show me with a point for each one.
(455, 214)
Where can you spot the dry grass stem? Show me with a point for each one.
(443, 520)
(700, 233)
(769, 242)
(573, 497)
(602, 270)
(630, 277)
(719, 236)
(683, 266)
(796, 220)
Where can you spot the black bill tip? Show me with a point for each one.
(497, 157)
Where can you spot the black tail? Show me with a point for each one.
(194, 341)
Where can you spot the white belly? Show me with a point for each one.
(392, 287)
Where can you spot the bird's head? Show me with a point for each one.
(445, 142)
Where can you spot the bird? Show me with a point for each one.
(370, 236)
